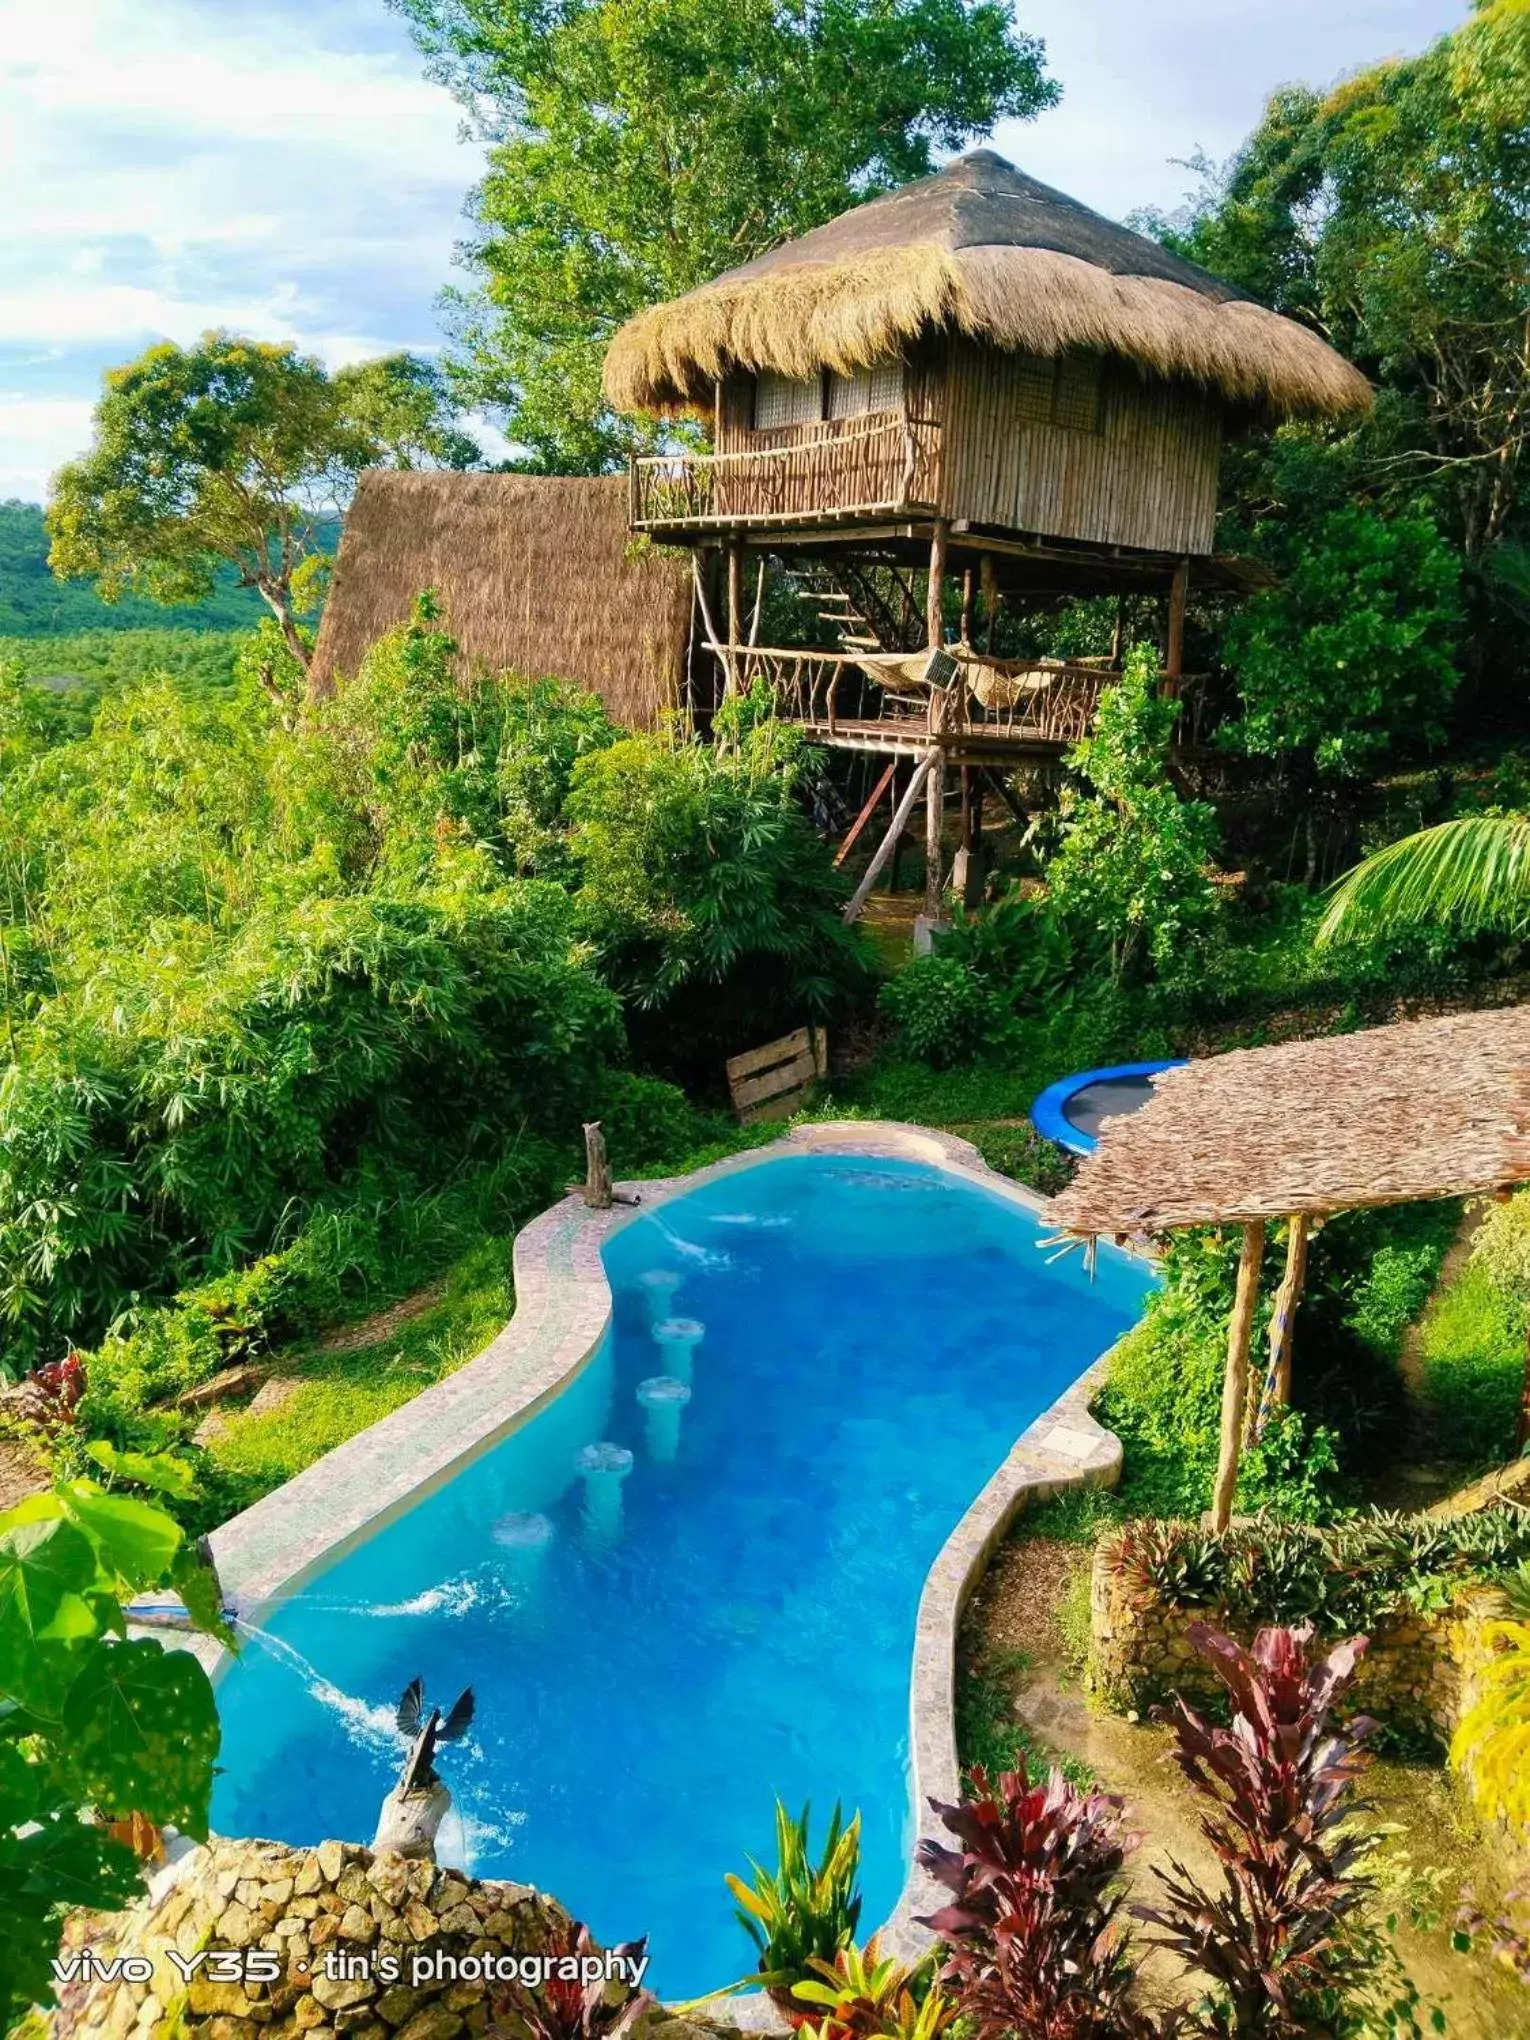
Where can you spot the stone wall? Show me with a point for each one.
(1415, 1677)
(308, 1907)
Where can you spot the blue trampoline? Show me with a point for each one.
(1072, 1110)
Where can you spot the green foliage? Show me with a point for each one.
(1391, 214)
(35, 605)
(1369, 1275)
(1349, 659)
(345, 1383)
(1344, 1578)
(943, 1010)
(93, 1727)
(643, 147)
(1473, 872)
(700, 874)
(233, 453)
(1134, 866)
(548, 727)
(257, 967)
(802, 1910)
(1472, 1352)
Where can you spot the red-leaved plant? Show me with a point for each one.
(563, 2008)
(1034, 1943)
(1282, 1777)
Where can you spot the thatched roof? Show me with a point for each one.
(1426, 1108)
(537, 575)
(985, 250)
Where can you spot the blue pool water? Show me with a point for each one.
(875, 1337)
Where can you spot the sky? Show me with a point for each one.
(286, 170)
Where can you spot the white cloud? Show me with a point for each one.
(1147, 86)
(37, 435)
(287, 170)
(171, 165)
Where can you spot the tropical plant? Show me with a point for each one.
(1473, 872)
(95, 1729)
(943, 1009)
(803, 1911)
(865, 1995)
(1338, 1577)
(639, 149)
(1274, 1935)
(1350, 658)
(1492, 1739)
(235, 453)
(566, 2007)
(1034, 1945)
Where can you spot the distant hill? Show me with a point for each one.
(33, 604)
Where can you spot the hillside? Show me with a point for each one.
(34, 604)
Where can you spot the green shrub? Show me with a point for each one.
(943, 1009)
(1344, 1579)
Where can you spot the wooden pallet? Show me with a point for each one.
(773, 1081)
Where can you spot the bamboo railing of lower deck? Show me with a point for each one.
(880, 462)
(815, 688)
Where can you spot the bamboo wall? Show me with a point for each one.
(1136, 467)
(1145, 476)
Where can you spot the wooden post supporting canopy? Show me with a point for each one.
(1235, 1380)
(1277, 1378)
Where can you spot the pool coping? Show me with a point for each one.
(562, 1313)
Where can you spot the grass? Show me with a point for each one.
(343, 1389)
(988, 1730)
(1472, 1360)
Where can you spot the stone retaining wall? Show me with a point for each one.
(304, 1905)
(1417, 1674)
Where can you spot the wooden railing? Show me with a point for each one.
(1046, 703)
(880, 461)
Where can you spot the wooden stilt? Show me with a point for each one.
(1235, 1380)
(735, 604)
(926, 765)
(1277, 1376)
(1174, 646)
(1118, 635)
(966, 629)
(865, 815)
(1001, 786)
(934, 614)
(934, 817)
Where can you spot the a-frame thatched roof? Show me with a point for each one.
(1425, 1108)
(982, 249)
(537, 575)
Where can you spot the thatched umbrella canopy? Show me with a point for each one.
(537, 575)
(981, 249)
(1421, 1109)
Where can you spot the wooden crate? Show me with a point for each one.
(773, 1081)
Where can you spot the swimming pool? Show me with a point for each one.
(876, 1333)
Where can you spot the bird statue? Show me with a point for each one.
(415, 1808)
(426, 1732)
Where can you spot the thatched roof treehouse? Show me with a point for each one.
(973, 375)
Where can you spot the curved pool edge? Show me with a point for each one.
(562, 1313)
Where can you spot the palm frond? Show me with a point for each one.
(1470, 874)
